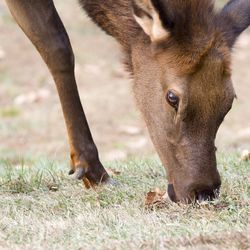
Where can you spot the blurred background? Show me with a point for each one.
(31, 121)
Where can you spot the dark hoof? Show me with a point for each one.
(91, 180)
(78, 173)
(71, 171)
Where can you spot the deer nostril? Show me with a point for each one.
(171, 192)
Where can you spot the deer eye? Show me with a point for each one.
(173, 99)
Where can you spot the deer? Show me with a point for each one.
(178, 53)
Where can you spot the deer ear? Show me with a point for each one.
(147, 16)
(235, 17)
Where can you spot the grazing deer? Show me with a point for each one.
(179, 54)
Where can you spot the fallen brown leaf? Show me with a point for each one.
(156, 198)
(113, 172)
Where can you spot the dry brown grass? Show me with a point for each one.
(41, 208)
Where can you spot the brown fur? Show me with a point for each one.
(119, 24)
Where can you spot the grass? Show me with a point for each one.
(42, 208)
(9, 112)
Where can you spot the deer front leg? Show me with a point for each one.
(41, 23)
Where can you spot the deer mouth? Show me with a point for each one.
(197, 196)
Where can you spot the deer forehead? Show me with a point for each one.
(208, 66)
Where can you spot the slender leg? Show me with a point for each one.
(41, 23)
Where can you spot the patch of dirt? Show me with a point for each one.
(234, 240)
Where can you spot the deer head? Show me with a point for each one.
(181, 60)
